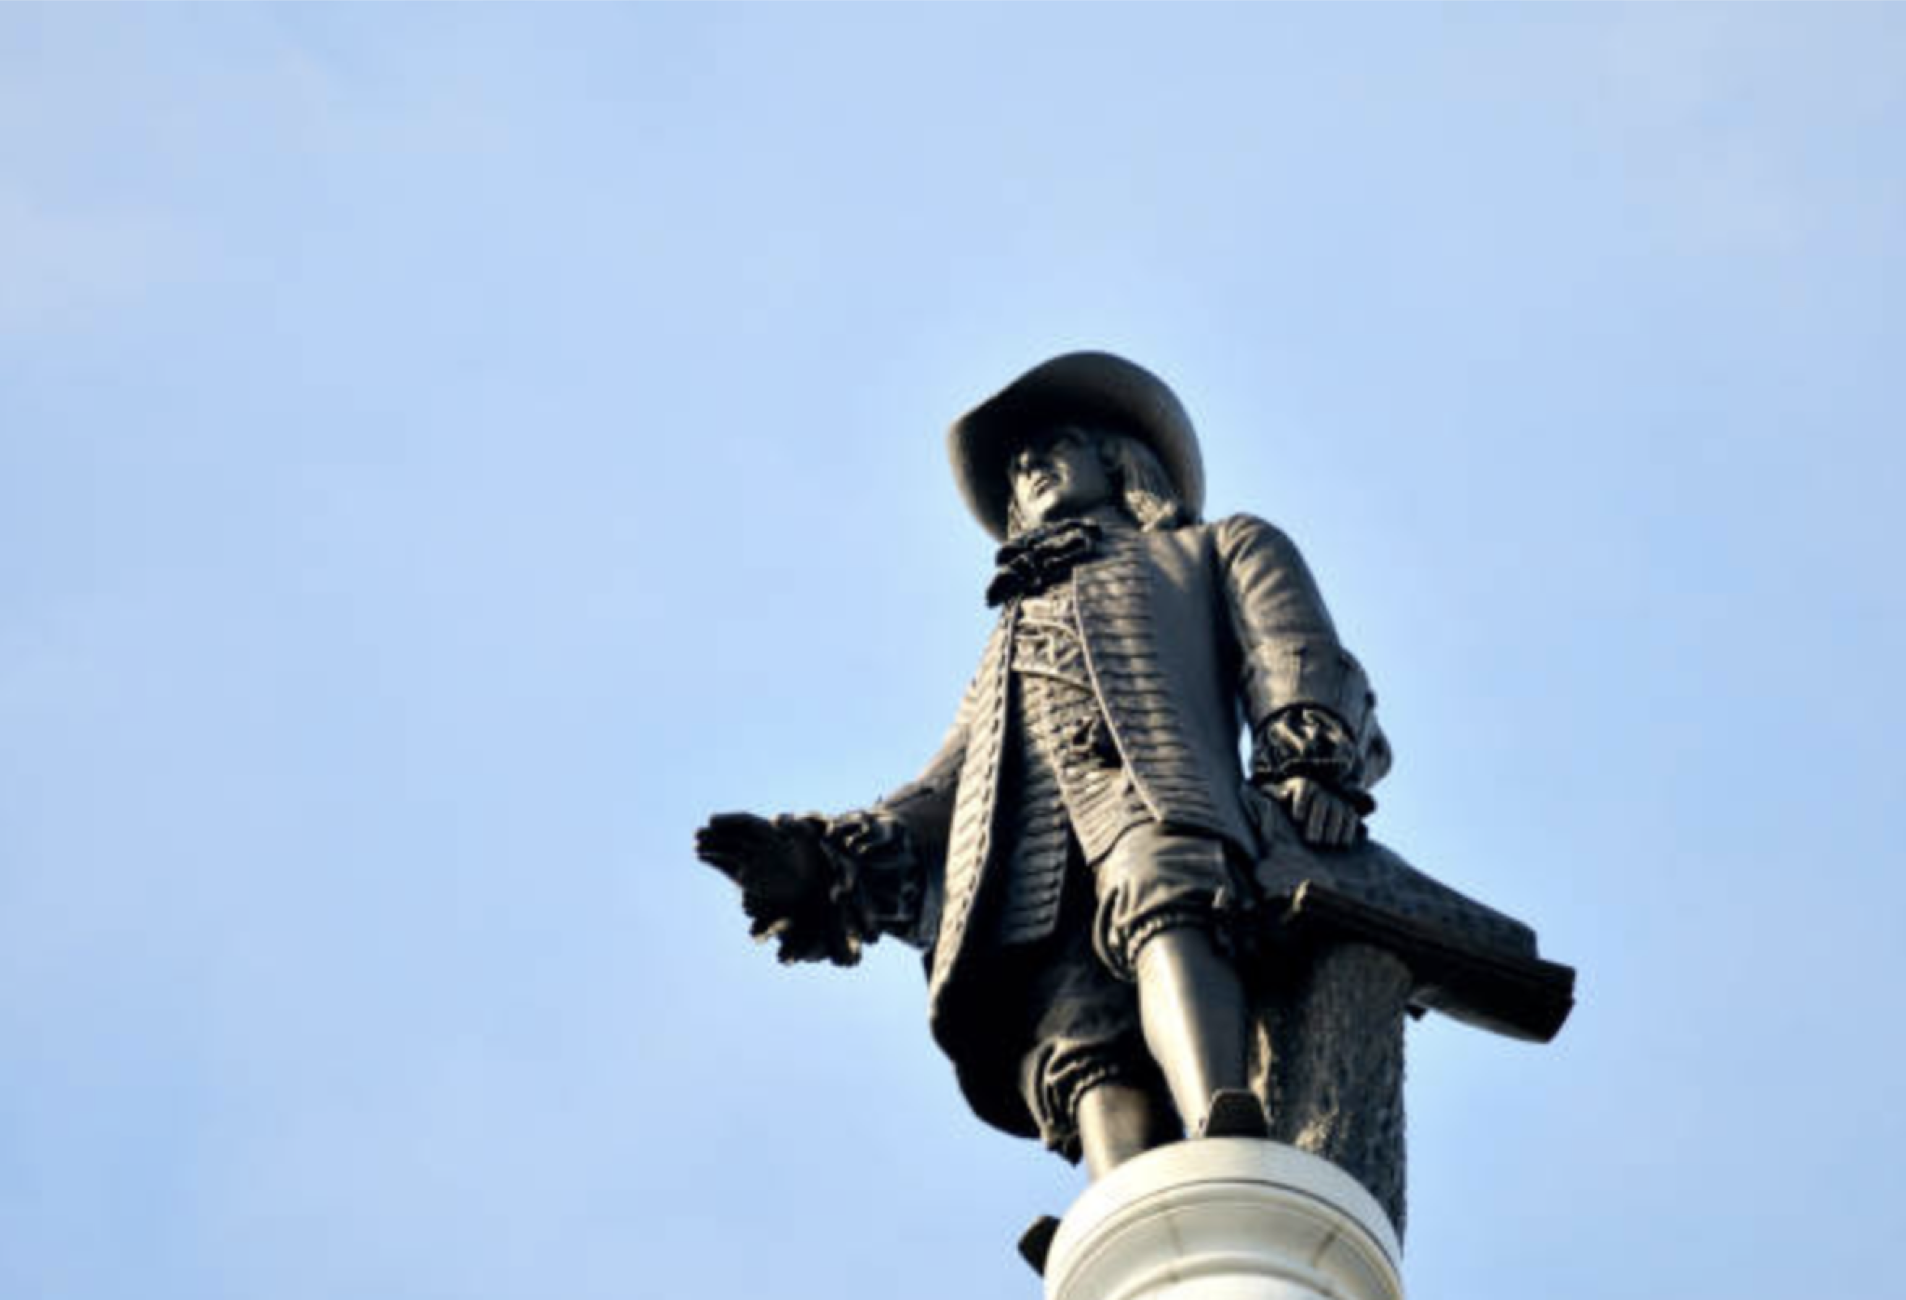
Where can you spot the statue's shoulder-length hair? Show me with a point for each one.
(1144, 489)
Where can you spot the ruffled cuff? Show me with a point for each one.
(874, 888)
(1310, 741)
(877, 877)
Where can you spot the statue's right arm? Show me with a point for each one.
(921, 812)
(825, 886)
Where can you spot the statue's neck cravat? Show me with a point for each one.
(1040, 557)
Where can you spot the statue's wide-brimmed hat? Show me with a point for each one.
(1092, 389)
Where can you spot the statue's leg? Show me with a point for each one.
(1087, 1081)
(1117, 1121)
(1191, 1006)
(1336, 1066)
(1163, 905)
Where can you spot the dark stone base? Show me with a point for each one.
(1327, 1059)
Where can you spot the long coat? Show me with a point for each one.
(1190, 633)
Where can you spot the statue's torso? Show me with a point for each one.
(1135, 644)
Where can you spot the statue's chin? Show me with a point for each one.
(1053, 511)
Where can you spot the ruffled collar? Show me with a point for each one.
(1041, 557)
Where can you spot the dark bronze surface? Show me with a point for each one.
(1121, 922)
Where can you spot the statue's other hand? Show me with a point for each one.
(779, 864)
(1324, 818)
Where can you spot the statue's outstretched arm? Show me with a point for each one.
(823, 887)
(820, 887)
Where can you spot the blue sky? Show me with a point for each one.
(446, 453)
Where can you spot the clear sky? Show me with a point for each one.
(446, 453)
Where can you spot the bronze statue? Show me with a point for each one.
(1132, 936)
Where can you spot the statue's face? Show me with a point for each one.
(1058, 475)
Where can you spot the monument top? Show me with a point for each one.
(1225, 1220)
(1132, 938)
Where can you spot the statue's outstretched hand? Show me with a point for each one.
(1324, 818)
(783, 873)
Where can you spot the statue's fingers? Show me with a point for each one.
(714, 846)
(1343, 825)
(1327, 809)
(714, 833)
(1326, 820)
(1346, 822)
(1302, 794)
(1327, 815)
(732, 865)
(746, 867)
(1319, 819)
(712, 841)
(766, 920)
(733, 828)
(762, 840)
(739, 837)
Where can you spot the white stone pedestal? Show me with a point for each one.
(1225, 1219)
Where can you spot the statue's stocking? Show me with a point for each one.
(1191, 1006)
(1118, 1121)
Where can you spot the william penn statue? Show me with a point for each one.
(1132, 935)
